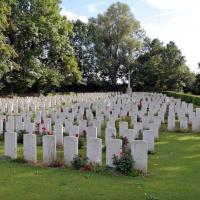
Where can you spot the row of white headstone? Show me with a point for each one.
(139, 149)
(59, 113)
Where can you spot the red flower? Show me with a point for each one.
(87, 167)
(44, 129)
(77, 135)
(50, 133)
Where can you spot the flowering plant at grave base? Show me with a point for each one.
(79, 162)
(87, 167)
(124, 141)
(124, 163)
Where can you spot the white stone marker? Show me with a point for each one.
(94, 150)
(58, 132)
(1, 126)
(70, 149)
(139, 152)
(74, 131)
(148, 136)
(30, 128)
(82, 126)
(110, 124)
(49, 149)
(10, 124)
(195, 124)
(30, 147)
(155, 128)
(183, 123)
(97, 123)
(122, 127)
(113, 147)
(171, 122)
(110, 133)
(10, 144)
(91, 132)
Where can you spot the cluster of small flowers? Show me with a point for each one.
(46, 132)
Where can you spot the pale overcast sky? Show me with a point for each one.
(168, 20)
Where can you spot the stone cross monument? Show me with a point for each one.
(129, 89)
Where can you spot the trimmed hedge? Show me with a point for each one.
(189, 98)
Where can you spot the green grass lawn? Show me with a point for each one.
(173, 175)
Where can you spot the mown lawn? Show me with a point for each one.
(173, 175)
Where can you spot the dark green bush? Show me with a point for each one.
(189, 98)
(79, 162)
(20, 135)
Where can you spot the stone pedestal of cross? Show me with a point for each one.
(129, 89)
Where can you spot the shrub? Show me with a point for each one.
(87, 167)
(78, 162)
(124, 163)
(189, 98)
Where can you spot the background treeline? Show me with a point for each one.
(42, 51)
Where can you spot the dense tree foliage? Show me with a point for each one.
(41, 51)
(7, 53)
(84, 50)
(116, 39)
(161, 68)
(40, 37)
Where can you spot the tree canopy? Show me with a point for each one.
(41, 50)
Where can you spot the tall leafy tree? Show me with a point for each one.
(40, 36)
(161, 68)
(115, 40)
(84, 49)
(7, 52)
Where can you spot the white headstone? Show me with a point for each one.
(94, 150)
(113, 148)
(49, 149)
(10, 145)
(70, 149)
(139, 152)
(30, 147)
(148, 136)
